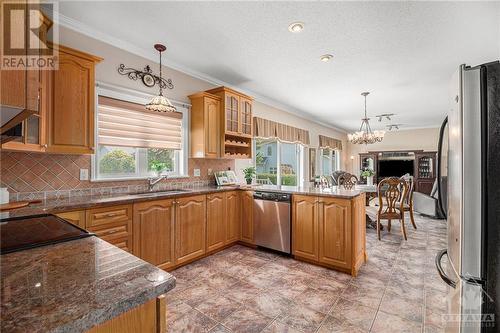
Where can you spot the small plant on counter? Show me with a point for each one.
(249, 173)
(367, 172)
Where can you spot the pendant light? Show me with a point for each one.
(160, 103)
(365, 135)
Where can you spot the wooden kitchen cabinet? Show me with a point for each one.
(233, 216)
(335, 232)
(190, 228)
(112, 224)
(247, 217)
(65, 100)
(71, 89)
(305, 233)
(153, 230)
(76, 217)
(216, 221)
(205, 132)
(330, 231)
(236, 123)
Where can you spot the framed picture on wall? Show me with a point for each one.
(312, 164)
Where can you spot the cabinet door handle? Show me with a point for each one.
(111, 232)
(111, 215)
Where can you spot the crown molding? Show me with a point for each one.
(86, 30)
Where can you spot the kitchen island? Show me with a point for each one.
(81, 285)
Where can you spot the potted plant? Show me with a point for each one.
(249, 173)
(368, 174)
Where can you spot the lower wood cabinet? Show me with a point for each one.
(112, 224)
(77, 218)
(154, 232)
(190, 228)
(216, 221)
(305, 233)
(334, 232)
(233, 217)
(247, 217)
(149, 317)
(329, 231)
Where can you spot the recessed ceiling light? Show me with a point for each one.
(326, 57)
(296, 27)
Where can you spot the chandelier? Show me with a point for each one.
(160, 103)
(365, 135)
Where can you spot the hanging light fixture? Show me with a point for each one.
(365, 135)
(160, 103)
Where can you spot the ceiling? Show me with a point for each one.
(404, 53)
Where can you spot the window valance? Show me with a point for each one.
(264, 128)
(127, 124)
(327, 142)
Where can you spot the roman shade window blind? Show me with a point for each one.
(129, 124)
(264, 128)
(327, 142)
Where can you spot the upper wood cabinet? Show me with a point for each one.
(65, 99)
(154, 232)
(190, 228)
(216, 221)
(247, 217)
(70, 120)
(206, 124)
(233, 218)
(305, 227)
(236, 122)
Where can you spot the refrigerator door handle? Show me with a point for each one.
(438, 168)
(440, 269)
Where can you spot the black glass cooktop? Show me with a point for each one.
(23, 233)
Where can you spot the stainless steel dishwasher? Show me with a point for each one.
(272, 222)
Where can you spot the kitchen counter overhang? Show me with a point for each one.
(74, 286)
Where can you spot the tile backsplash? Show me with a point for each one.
(30, 176)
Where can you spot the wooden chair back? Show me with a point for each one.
(411, 187)
(347, 180)
(392, 192)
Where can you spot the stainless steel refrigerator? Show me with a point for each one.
(472, 200)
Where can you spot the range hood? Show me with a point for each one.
(11, 119)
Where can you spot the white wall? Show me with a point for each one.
(416, 139)
(184, 85)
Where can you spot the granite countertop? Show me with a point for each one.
(72, 286)
(53, 206)
(335, 191)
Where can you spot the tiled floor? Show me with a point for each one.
(246, 290)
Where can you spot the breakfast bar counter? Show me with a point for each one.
(75, 286)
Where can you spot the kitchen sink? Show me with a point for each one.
(164, 192)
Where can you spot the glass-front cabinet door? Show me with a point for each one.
(232, 113)
(246, 117)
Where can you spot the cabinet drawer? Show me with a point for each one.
(113, 232)
(109, 215)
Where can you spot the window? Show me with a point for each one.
(329, 161)
(135, 143)
(278, 162)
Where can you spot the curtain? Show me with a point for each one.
(122, 123)
(264, 128)
(327, 142)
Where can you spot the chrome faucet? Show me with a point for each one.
(153, 181)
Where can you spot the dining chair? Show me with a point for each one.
(392, 193)
(408, 203)
(347, 180)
